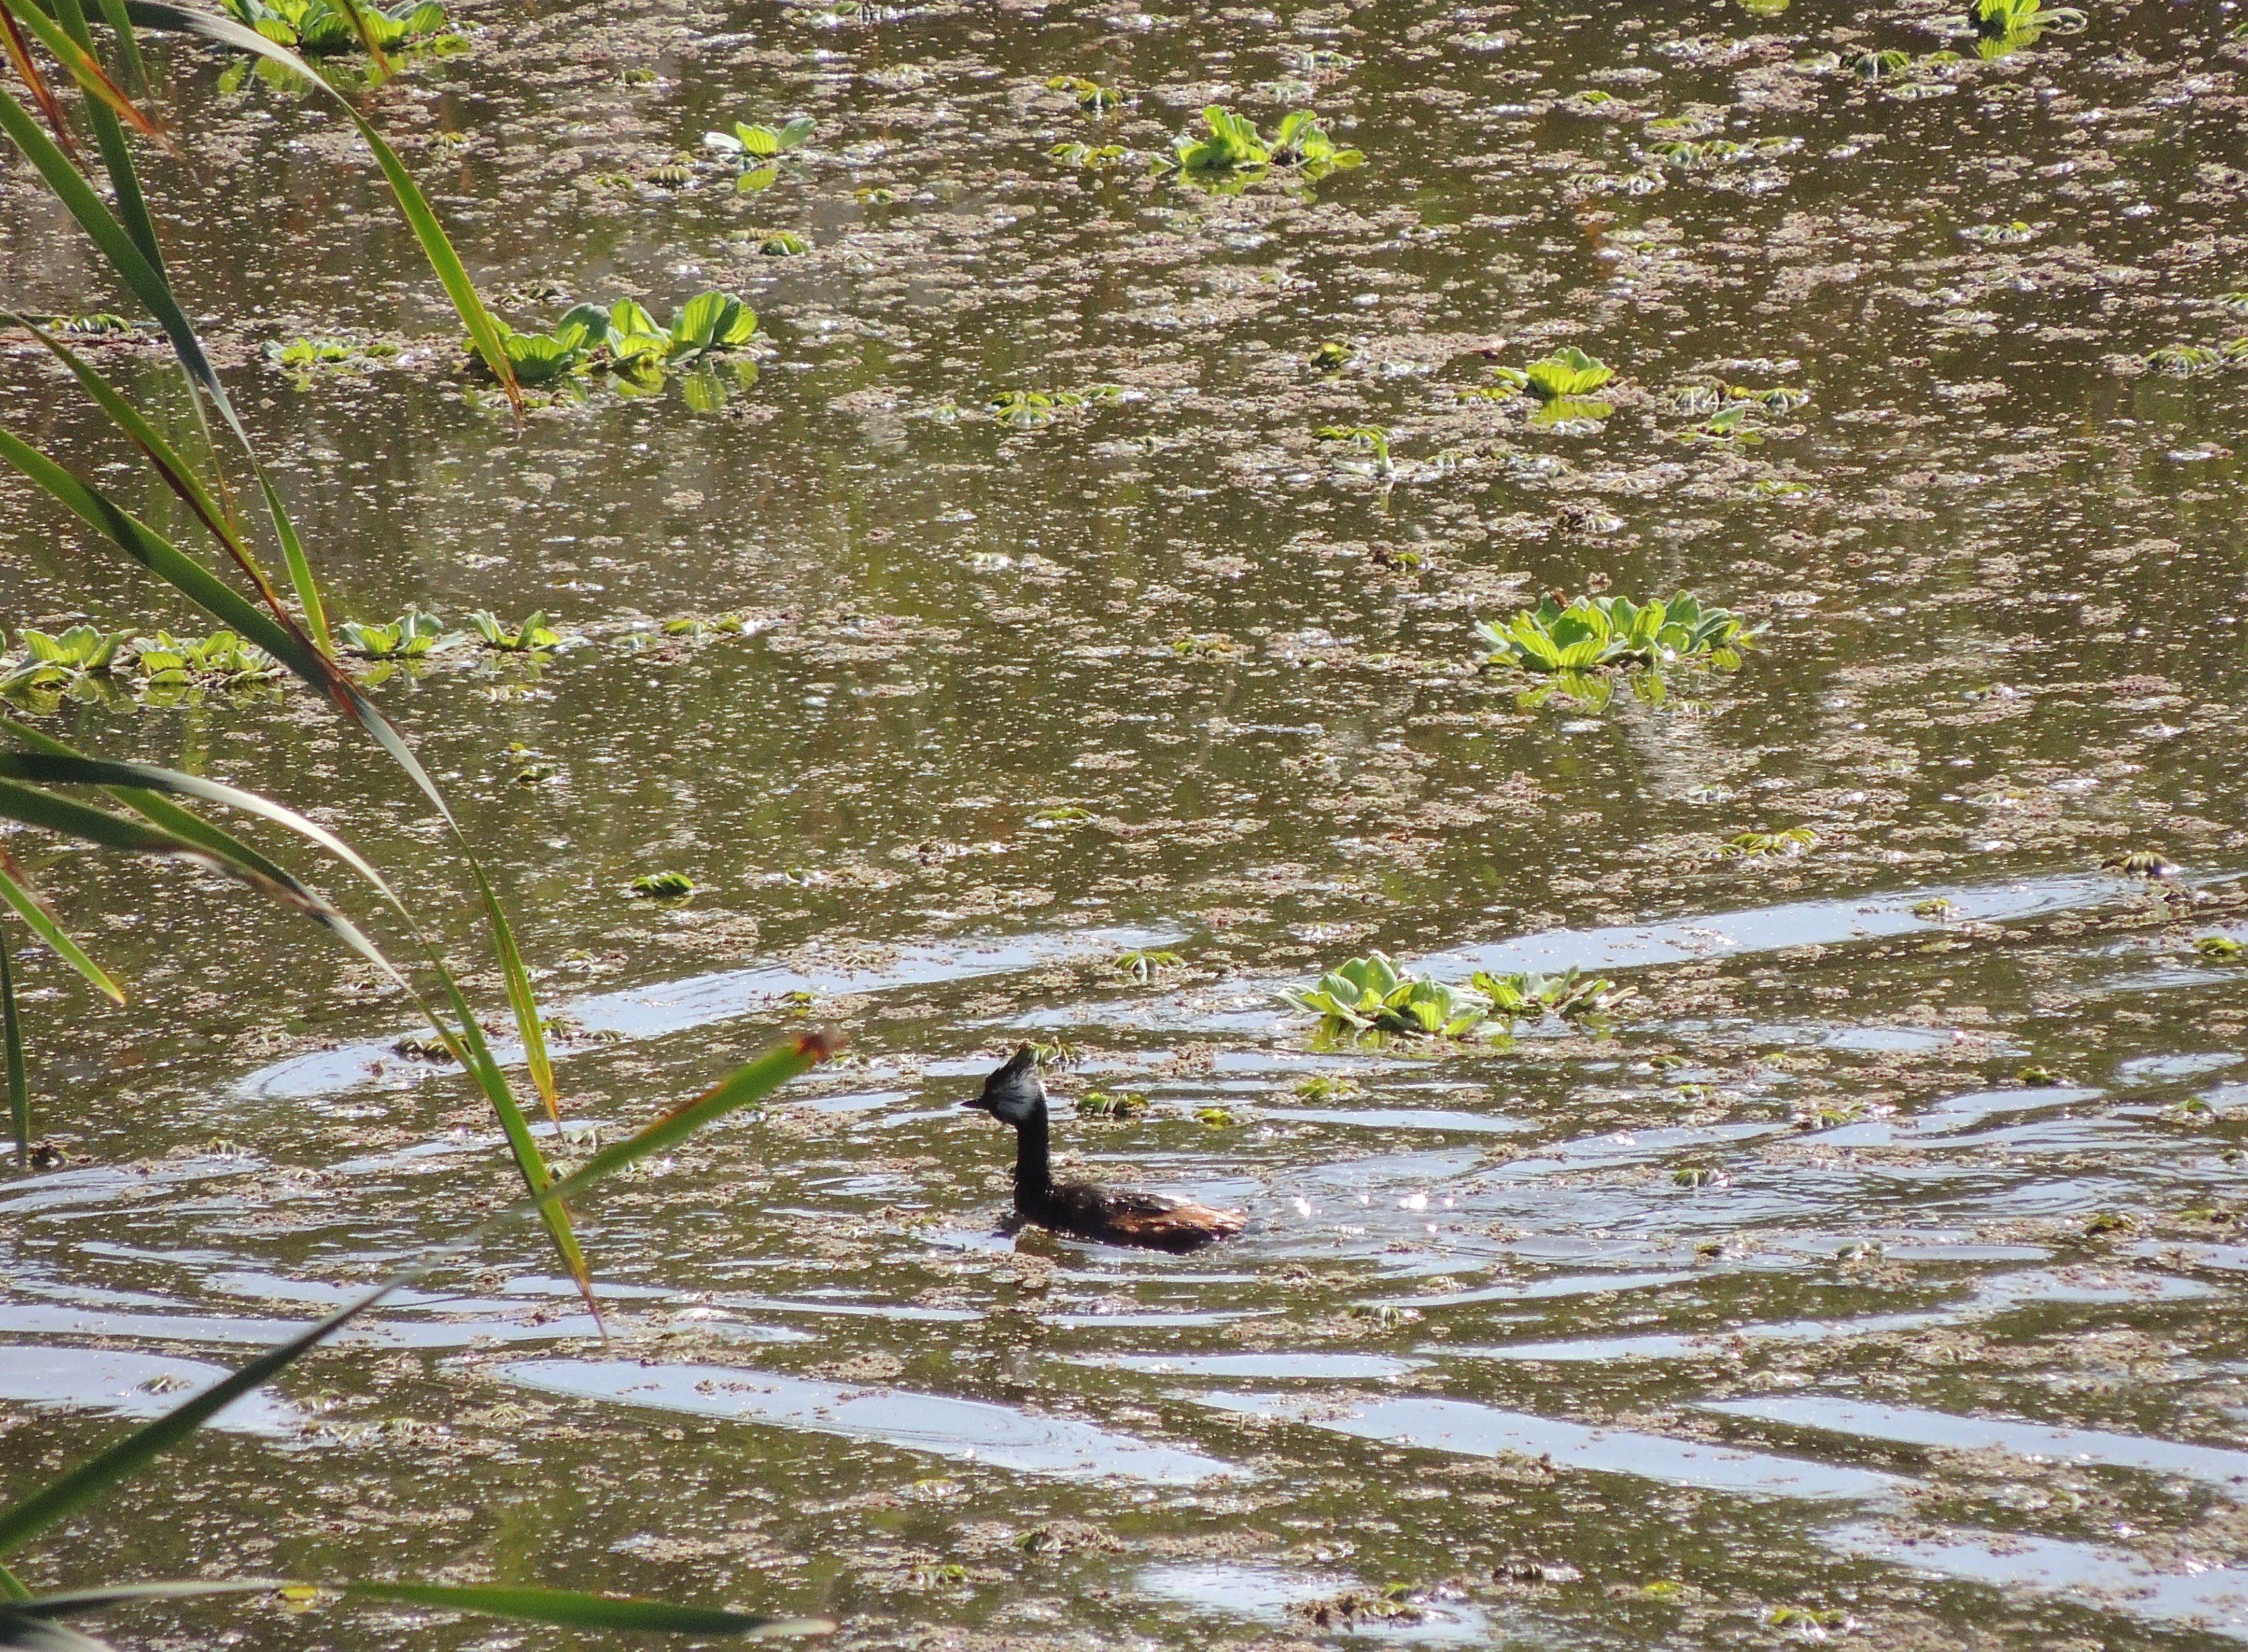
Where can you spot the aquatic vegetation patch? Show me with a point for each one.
(661, 886)
(316, 29)
(1755, 846)
(54, 661)
(1595, 633)
(1094, 157)
(1370, 994)
(1090, 95)
(1144, 965)
(1119, 1107)
(1527, 995)
(1035, 409)
(1567, 372)
(221, 660)
(2023, 20)
(754, 149)
(1232, 144)
(408, 637)
(2221, 949)
(628, 342)
(533, 634)
(303, 358)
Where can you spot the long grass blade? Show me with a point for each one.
(16, 890)
(573, 1610)
(128, 48)
(19, 59)
(182, 833)
(179, 474)
(10, 1587)
(280, 636)
(436, 246)
(84, 66)
(570, 1608)
(64, 1496)
(123, 181)
(19, 1078)
(37, 1635)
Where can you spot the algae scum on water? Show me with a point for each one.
(1709, 542)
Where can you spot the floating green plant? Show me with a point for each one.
(2023, 20)
(754, 149)
(1751, 845)
(629, 341)
(1117, 1108)
(1144, 965)
(1597, 633)
(302, 358)
(55, 661)
(222, 658)
(1526, 995)
(1935, 909)
(1369, 438)
(2183, 360)
(1327, 1086)
(1232, 143)
(532, 635)
(1881, 65)
(1088, 94)
(316, 29)
(1034, 409)
(662, 885)
(1567, 372)
(1332, 355)
(408, 637)
(1097, 157)
(1370, 994)
(2222, 949)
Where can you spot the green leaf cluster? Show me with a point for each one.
(1232, 143)
(628, 341)
(412, 635)
(1035, 409)
(53, 661)
(532, 635)
(318, 28)
(1088, 94)
(755, 149)
(1371, 994)
(1526, 995)
(1567, 372)
(1595, 633)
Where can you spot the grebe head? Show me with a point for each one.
(1013, 1094)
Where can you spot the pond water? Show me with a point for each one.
(1876, 1275)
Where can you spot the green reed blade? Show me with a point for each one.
(745, 1084)
(17, 894)
(19, 1079)
(436, 246)
(128, 46)
(184, 833)
(64, 1496)
(570, 1608)
(178, 472)
(85, 68)
(37, 1635)
(575, 1610)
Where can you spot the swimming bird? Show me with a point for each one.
(1015, 1095)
